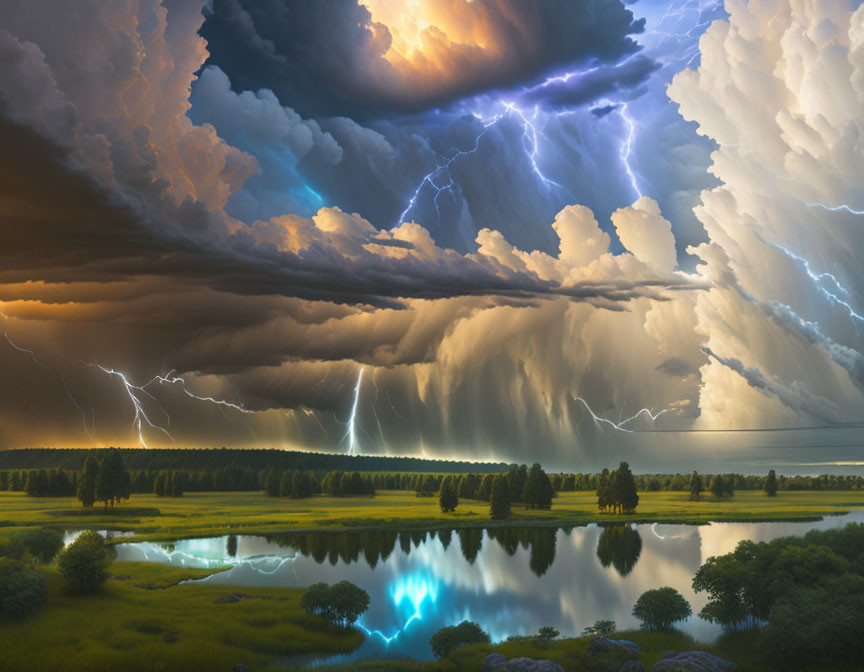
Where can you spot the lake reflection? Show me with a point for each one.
(510, 580)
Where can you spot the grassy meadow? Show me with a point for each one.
(212, 514)
(142, 620)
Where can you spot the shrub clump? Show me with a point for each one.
(39, 546)
(658, 609)
(452, 637)
(84, 563)
(339, 604)
(22, 590)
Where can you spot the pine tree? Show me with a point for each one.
(271, 483)
(695, 486)
(285, 483)
(500, 498)
(113, 483)
(87, 481)
(448, 497)
(717, 487)
(604, 490)
(771, 484)
(537, 492)
(624, 489)
(484, 492)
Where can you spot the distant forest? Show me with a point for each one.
(213, 459)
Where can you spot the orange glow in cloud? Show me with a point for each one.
(444, 39)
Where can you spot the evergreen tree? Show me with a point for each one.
(537, 492)
(717, 487)
(695, 486)
(624, 489)
(271, 483)
(178, 484)
(448, 497)
(604, 490)
(484, 492)
(87, 481)
(285, 482)
(771, 484)
(500, 498)
(113, 483)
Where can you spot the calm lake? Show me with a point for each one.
(510, 580)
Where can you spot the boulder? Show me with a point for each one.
(492, 662)
(694, 661)
(632, 666)
(495, 662)
(599, 645)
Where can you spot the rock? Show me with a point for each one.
(495, 662)
(694, 661)
(670, 654)
(622, 647)
(519, 665)
(632, 666)
(240, 667)
(492, 662)
(547, 666)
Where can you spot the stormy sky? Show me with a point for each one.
(567, 232)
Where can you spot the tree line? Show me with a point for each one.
(257, 460)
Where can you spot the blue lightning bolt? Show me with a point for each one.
(620, 426)
(627, 148)
(416, 591)
(836, 208)
(819, 281)
(442, 171)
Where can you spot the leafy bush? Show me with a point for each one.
(339, 604)
(452, 637)
(40, 545)
(659, 609)
(84, 563)
(22, 590)
(602, 628)
(547, 632)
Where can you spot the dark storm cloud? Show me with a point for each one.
(63, 208)
(326, 57)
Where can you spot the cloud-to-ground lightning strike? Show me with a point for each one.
(132, 391)
(351, 434)
(620, 426)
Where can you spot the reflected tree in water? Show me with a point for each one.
(231, 546)
(543, 547)
(507, 537)
(471, 540)
(445, 536)
(619, 546)
(405, 542)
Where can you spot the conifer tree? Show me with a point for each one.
(500, 498)
(87, 481)
(771, 484)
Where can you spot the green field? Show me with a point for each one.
(211, 514)
(143, 621)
